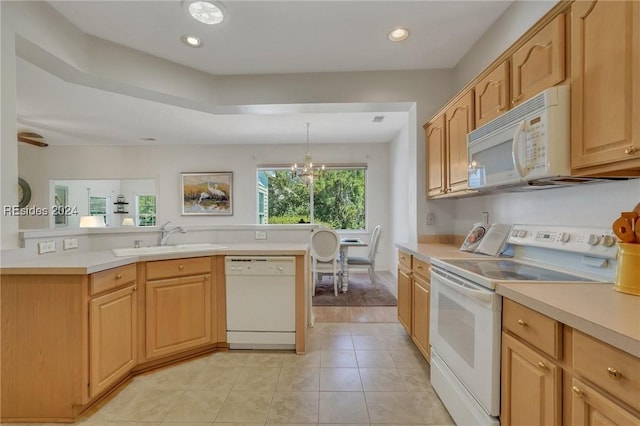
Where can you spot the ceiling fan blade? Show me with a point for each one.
(32, 138)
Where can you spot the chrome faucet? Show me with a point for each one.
(164, 233)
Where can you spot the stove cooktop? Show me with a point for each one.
(510, 270)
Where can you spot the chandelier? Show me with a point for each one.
(307, 173)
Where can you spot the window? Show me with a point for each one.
(98, 207)
(146, 210)
(338, 198)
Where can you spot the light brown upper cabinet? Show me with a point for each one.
(434, 135)
(492, 94)
(605, 87)
(540, 62)
(459, 121)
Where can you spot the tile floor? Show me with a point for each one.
(353, 373)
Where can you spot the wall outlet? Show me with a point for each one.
(485, 218)
(46, 246)
(431, 218)
(261, 235)
(69, 243)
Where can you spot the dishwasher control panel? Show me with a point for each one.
(260, 265)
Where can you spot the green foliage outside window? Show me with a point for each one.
(146, 210)
(339, 198)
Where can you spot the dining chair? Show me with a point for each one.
(370, 260)
(325, 249)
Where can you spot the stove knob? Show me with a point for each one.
(608, 240)
(522, 233)
(593, 240)
(565, 237)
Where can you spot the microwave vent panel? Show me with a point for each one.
(543, 100)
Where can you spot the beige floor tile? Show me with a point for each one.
(178, 377)
(369, 342)
(340, 379)
(399, 342)
(336, 329)
(416, 379)
(165, 423)
(343, 407)
(310, 359)
(365, 329)
(257, 379)
(299, 379)
(228, 359)
(329, 341)
(268, 359)
(432, 409)
(391, 328)
(338, 358)
(408, 359)
(374, 358)
(216, 378)
(245, 407)
(294, 407)
(197, 406)
(393, 407)
(149, 405)
(382, 380)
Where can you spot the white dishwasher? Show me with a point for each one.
(261, 302)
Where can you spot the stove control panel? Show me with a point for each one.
(596, 242)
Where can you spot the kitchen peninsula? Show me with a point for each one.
(77, 326)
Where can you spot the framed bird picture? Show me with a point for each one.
(207, 193)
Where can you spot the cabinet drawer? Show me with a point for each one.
(538, 330)
(421, 268)
(612, 369)
(404, 259)
(112, 278)
(178, 267)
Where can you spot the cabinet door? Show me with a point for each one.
(434, 136)
(605, 92)
(421, 298)
(458, 122)
(492, 94)
(531, 386)
(112, 338)
(539, 63)
(178, 314)
(590, 407)
(404, 299)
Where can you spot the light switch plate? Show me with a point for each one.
(46, 246)
(261, 235)
(69, 243)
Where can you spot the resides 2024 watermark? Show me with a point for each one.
(15, 210)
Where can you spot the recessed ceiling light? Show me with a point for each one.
(399, 34)
(191, 41)
(378, 118)
(206, 12)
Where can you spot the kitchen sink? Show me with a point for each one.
(178, 248)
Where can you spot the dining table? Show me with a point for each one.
(345, 243)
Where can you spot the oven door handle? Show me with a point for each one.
(469, 289)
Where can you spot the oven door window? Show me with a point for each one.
(457, 326)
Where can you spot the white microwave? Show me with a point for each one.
(527, 146)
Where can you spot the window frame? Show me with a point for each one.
(328, 167)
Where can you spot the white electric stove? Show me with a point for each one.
(465, 319)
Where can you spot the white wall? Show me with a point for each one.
(165, 163)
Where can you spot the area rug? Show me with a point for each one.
(361, 293)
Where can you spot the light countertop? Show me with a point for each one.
(94, 261)
(593, 308)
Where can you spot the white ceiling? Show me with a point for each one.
(257, 37)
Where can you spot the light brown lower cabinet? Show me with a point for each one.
(531, 386)
(591, 407)
(404, 299)
(178, 314)
(113, 338)
(420, 313)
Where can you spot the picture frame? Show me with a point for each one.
(207, 193)
(60, 202)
